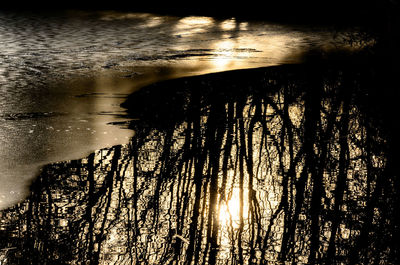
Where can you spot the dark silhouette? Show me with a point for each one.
(292, 164)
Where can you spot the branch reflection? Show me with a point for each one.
(285, 164)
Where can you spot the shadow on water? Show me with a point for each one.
(291, 164)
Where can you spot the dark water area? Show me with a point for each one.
(291, 164)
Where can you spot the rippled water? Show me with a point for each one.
(278, 165)
(63, 76)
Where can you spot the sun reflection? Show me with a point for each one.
(229, 212)
(225, 53)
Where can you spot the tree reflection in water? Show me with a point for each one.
(283, 165)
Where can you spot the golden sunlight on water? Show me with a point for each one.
(189, 26)
(46, 117)
(225, 54)
(264, 175)
(229, 24)
(154, 22)
(230, 214)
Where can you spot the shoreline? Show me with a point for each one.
(152, 100)
(211, 123)
(24, 190)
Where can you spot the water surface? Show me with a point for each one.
(63, 75)
(282, 165)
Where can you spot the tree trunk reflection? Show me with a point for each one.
(285, 164)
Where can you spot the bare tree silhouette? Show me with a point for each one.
(291, 164)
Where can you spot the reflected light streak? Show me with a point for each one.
(225, 54)
(228, 24)
(244, 25)
(221, 62)
(230, 210)
(153, 22)
(193, 25)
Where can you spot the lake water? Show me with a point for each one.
(63, 75)
(277, 165)
(294, 163)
